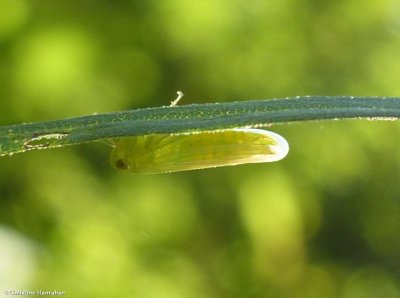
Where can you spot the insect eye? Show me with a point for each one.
(121, 164)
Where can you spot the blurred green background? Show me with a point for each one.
(324, 222)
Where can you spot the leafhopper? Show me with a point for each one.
(164, 153)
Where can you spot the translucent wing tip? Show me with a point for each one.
(281, 149)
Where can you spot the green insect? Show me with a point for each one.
(164, 153)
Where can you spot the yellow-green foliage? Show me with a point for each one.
(323, 222)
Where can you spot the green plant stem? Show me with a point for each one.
(195, 117)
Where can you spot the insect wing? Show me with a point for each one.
(169, 153)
